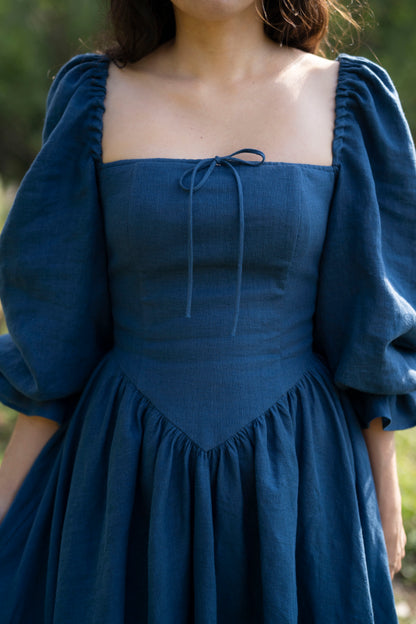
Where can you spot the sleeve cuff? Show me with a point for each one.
(58, 410)
(397, 411)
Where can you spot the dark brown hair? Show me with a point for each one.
(140, 26)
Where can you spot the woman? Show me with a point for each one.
(207, 276)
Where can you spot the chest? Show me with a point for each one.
(278, 215)
(290, 120)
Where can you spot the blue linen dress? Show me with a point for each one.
(212, 334)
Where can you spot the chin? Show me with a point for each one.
(212, 10)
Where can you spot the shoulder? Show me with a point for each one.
(80, 85)
(77, 68)
(304, 64)
(361, 65)
(363, 80)
(371, 124)
(319, 63)
(351, 75)
(321, 73)
(315, 75)
(368, 100)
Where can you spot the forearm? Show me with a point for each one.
(29, 436)
(382, 454)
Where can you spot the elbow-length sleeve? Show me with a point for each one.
(53, 272)
(365, 321)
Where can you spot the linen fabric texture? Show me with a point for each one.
(200, 476)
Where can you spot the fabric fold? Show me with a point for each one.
(365, 319)
(183, 533)
(53, 271)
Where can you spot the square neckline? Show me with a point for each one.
(334, 166)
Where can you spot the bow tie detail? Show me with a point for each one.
(209, 164)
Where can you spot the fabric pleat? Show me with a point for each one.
(240, 533)
(206, 472)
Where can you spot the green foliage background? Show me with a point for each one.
(38, 36)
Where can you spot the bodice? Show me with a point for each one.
(213, 284)
(213, 273)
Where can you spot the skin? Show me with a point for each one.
(209, 94)
(29, 436)
(221, 85)
(382, 453)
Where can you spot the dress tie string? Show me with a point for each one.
(209, 164)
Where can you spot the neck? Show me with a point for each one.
(225, 50)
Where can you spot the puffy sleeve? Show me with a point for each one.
(53, 275)
(365, 322)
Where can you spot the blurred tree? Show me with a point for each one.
(37, 37)
(391, 41)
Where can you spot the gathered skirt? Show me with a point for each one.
(124, 519)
